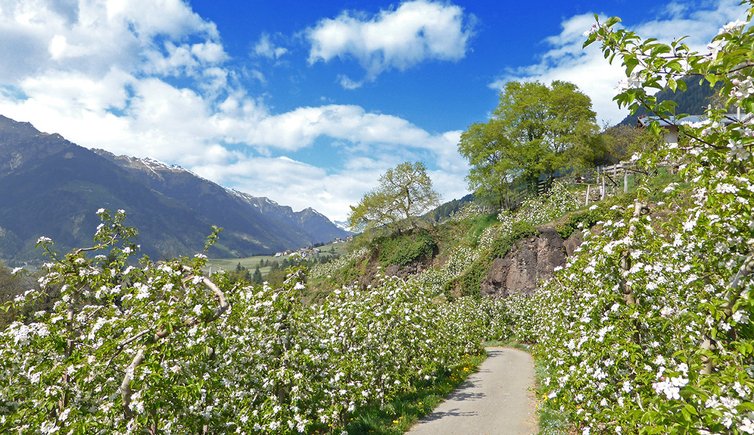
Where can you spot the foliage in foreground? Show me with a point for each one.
(160, 347)
(649, 329)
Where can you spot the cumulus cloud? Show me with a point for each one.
(304, 185)
(266, 48)
(300, 127)
(393, 39)
(370, 144)
(150, 78)
(565, 59)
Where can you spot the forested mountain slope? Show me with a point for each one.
(52, 187)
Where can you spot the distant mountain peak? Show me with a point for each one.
(52, 187)
(343, 225)
(249, 197)
(309, 210)
(149, 163)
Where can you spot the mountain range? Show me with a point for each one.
(52, 187)
(693, 101)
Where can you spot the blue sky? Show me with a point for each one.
(304, 102)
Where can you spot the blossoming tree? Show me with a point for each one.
(161, 347)
(649, 328)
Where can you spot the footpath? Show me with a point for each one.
(497, 400)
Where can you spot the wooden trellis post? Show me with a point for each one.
(586, 199)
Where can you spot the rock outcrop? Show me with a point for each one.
(528, 262)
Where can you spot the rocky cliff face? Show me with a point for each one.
(530, 261)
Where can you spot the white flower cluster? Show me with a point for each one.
(647, 328)
(434, 279)
(264, 363)
(541, 209)
(331, 268)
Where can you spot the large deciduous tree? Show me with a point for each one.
(534, 132)
(404, 193)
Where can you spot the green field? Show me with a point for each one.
(251, 263)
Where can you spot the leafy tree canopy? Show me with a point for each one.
(536, 130)
(404, 193)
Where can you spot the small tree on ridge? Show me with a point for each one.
(404, 193)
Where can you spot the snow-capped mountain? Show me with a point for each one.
(50, 186)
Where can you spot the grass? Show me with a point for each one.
(402, 250)
(514, 344)
(252, 262)
(397, 416)
(249, 262)
(477, 227)
(551, 420)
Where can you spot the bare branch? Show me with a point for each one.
(122, 345)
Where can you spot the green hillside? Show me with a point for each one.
(694, 101)
(632, 287)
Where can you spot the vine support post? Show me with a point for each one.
(625, 263)
(586, 197)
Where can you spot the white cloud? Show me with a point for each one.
(300, 127)
(257, 75)
(156, 17)
(414, 32)
(304, 185)
(588, 69)
(371, 143)
(150, 79)
(266, 48)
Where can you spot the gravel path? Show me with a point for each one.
(498, 399)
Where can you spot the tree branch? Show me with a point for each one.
(125, 385)
(162, 333)
(746, 269)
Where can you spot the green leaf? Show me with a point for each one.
(612, 21)
(630, 63)
(690, 409)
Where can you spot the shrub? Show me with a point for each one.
(579, 219)
(402, 250)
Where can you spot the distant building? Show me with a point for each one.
(670, 124)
